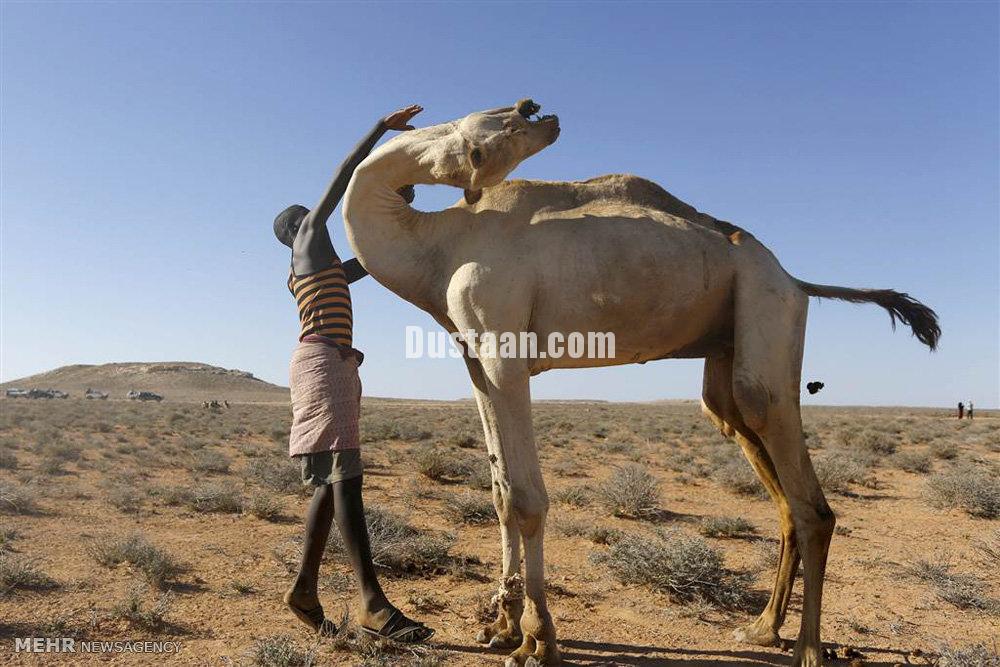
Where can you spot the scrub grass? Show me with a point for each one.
(684, 567)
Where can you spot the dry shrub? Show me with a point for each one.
(125, 498)
(463, 440)
(7, 537)
(685, 567)
(8, 459)
(216, 497)
(726, 526)
(264, 506)
(441, 465)
(17, 499)
(399, 548)
(872, 441)
(944, 450)
(737, 476)
(977, 655)
(280, 651)
(134, 610)
(604, 535)
(630, 492)
(837, 469)
(569, 527)
(277, 474)
(17, 573)
(577, 495)
(156, 565)
(378, 652)
(471, 508)
(912, 461)
(210, 462)
(964, 591)
(479, 476)
(968, 487)
(989, 549)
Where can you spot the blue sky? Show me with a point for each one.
(147, 147)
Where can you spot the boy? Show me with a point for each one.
(326, 396)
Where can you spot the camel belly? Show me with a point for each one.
(662, 289)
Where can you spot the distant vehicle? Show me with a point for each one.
(143, 396)
(13, 392)
(95, 394)
(47, 393)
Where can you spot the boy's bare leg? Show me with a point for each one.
(303, 594)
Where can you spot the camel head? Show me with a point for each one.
(478, 151)
(498, 140)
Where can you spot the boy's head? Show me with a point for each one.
(286, 225)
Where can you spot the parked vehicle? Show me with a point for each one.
(47, 393)
(143, 396)
(95, 394)
(14, 392)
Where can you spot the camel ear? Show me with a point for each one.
(472, 196)
(476, 157)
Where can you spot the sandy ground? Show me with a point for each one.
(870, 603)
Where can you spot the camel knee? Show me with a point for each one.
(827, 520)
(530, 506)
(817, 524)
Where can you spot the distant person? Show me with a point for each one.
(961, 410)
(326, 400)
(970, 410)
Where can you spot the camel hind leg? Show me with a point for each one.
(768, 343)
(719, 406)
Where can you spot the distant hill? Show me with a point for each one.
(174, 380)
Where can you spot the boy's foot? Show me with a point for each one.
(308, 610)
(393, 624)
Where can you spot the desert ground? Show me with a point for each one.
(172, 521)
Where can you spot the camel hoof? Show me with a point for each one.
(751, 634)
(498, 639)
(807, 657)
(531, 661)
(503, 641)
(533, 653)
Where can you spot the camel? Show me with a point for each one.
(612, 254)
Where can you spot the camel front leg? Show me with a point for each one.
(505, 630)
(521, 498)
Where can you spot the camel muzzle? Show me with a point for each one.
(552, 121)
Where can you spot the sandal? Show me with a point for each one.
(314, 618)
(401, 629)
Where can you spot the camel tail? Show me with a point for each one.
(921, 319)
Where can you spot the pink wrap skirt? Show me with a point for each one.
(326, 399)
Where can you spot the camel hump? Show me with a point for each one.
(644, 192)
(621, 188)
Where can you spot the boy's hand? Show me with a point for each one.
(399, 120)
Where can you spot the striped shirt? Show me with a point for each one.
(324, 303)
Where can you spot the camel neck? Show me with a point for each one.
(393, 241)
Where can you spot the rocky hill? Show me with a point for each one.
(174, 380)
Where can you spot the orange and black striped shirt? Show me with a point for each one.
(324, 303)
